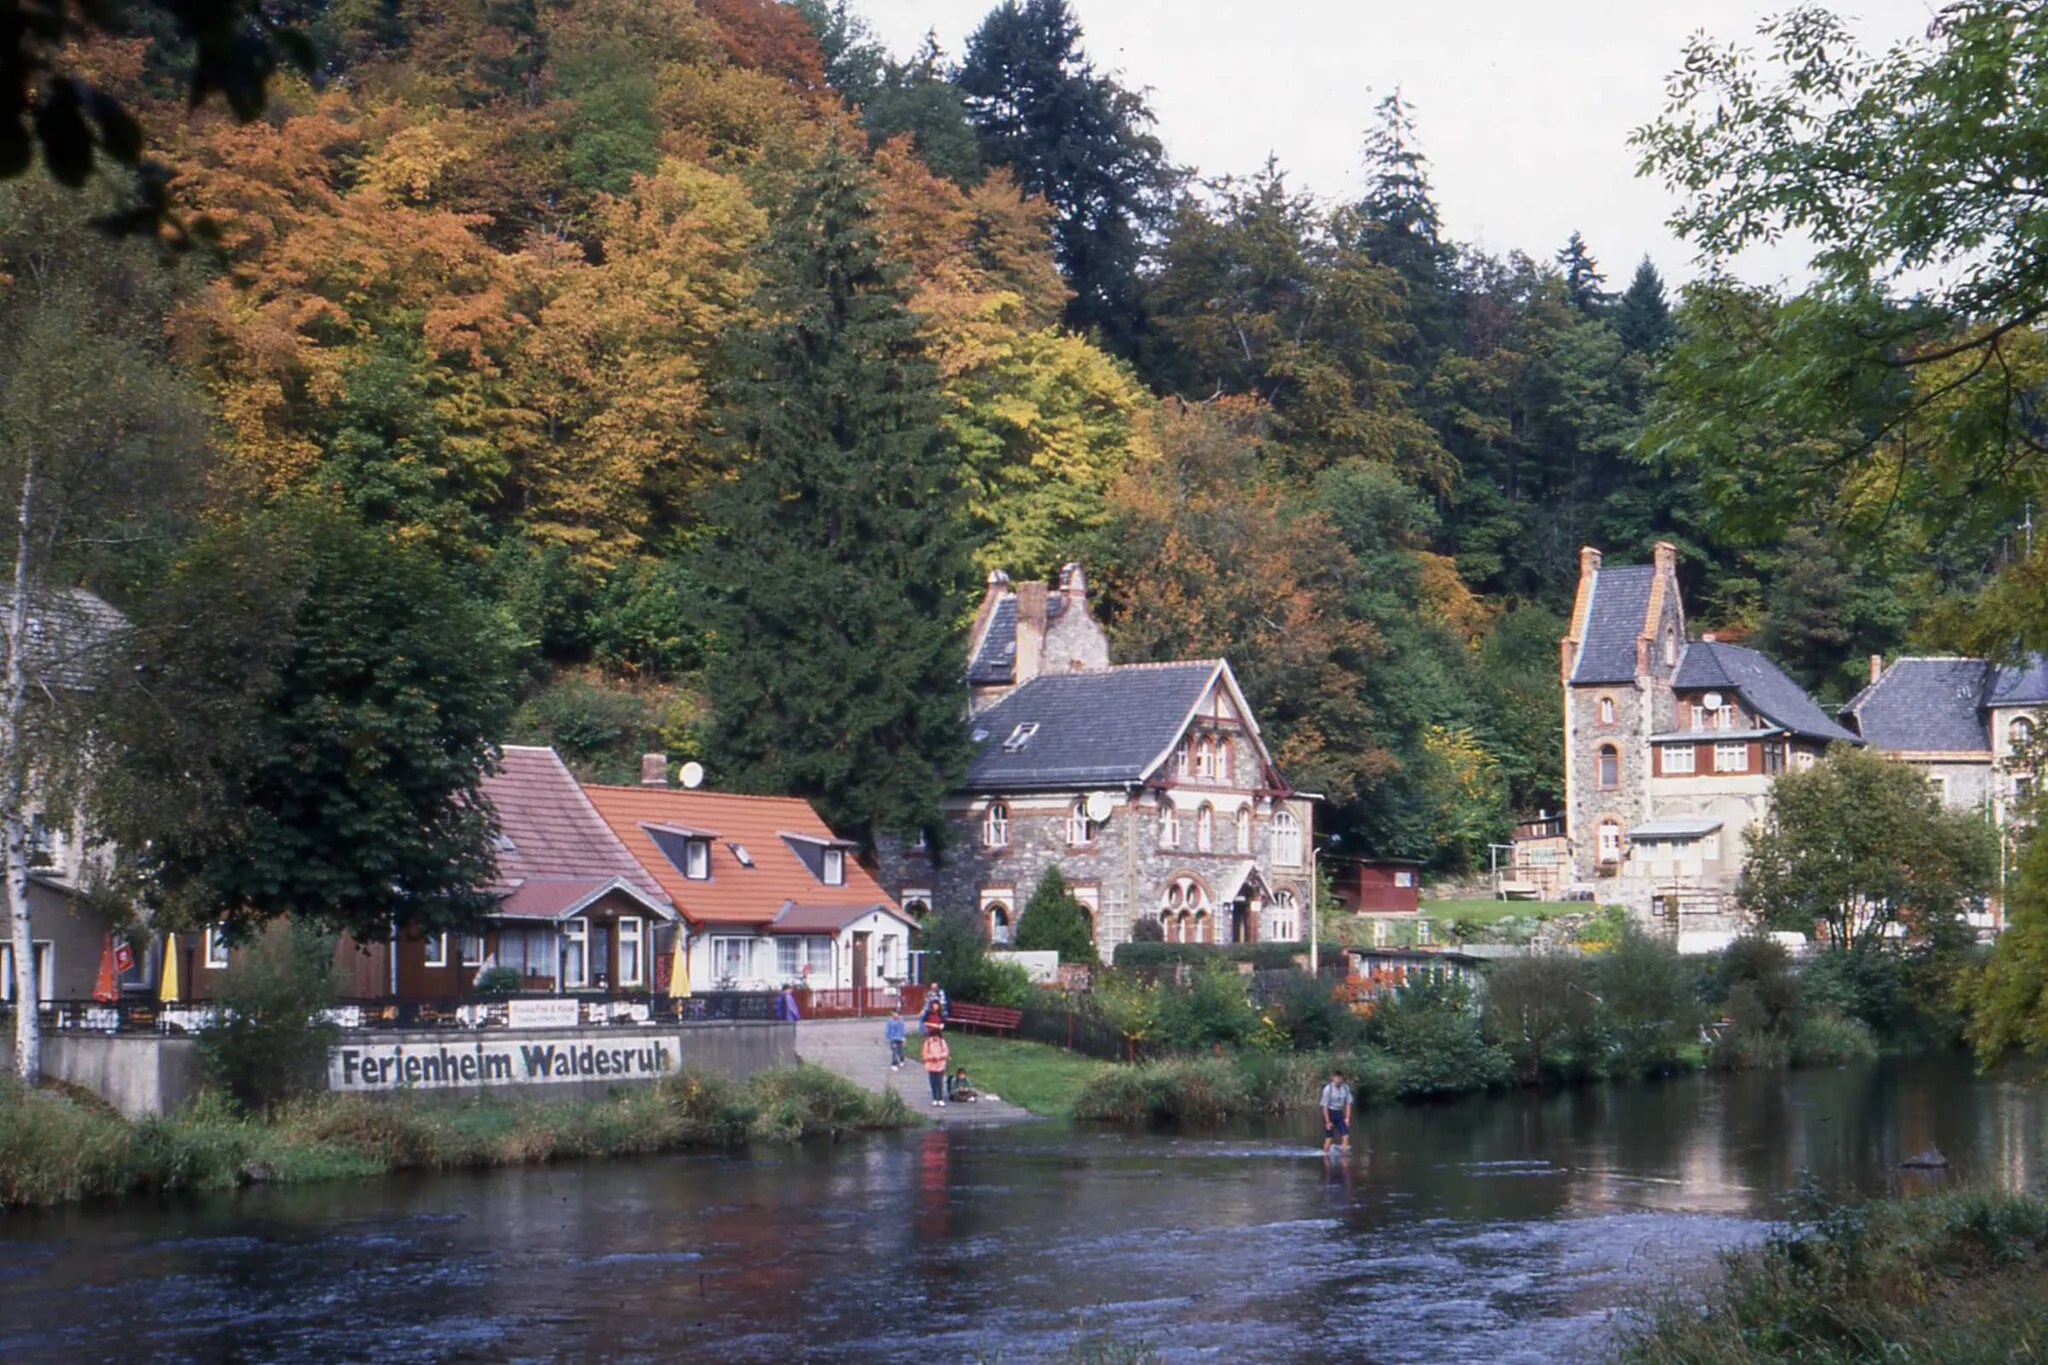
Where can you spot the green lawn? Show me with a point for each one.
(1487, 911)
(1038, 1076)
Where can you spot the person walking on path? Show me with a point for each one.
(936, 1055)
(892, 1034)
(1336, 1103)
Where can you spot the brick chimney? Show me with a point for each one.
(1665, 557)
(654, 770)
(1876, 667)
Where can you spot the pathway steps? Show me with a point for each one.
(853, 1048)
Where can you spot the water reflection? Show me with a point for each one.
(1497, 1230)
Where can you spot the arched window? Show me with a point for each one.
(995, 825)
(2020, 733)
(1223, 758)
(1169, 825)
(1205, 757)
(1080, 828)
(998, 922)
(1671, 649)
(1609, 845)
(1244, 829)
(1283, 917)
(1607, 710)
(917, 903)
(1286, 839)
(1205, 829)
(1204, 928)
(1610, 767)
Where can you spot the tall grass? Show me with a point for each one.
(1204, 1089)
(1951, 1278)
(54, 1148)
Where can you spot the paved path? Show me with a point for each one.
(854, 1049)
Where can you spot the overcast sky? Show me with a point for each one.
(1523, 109)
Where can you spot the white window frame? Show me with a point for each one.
(216, 948)
(832, 868)
(46, 969)
(995, 825)
(1731, 757)
(1244, 829)
(1607, 710)
(1600, 757)
(1422, 933)
(1080, 829)
(1286, 838)
(1724, 719)
(1404, 878)
(697, 859)
(732, 956)
(437, 950)
(1286, 917)
(634, 937)
(1223, 758)
(472, 948)
(916, 895)
(1674, 766)
(1699, 718)
(789, 956)
(2019, 732)
(1205, 829)
(1607, 842)
(576, 954)
(1205, 758)
(1802, 759)
(1008, 932)
(1169, 825)
(1710, 847)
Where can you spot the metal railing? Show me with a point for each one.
(143, 1016)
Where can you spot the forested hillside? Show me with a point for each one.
(712, 353)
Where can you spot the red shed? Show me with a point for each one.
(1378, 886)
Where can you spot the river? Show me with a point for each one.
(1496, 1229)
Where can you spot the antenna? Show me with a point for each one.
(693, 774)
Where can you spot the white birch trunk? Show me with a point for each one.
(14, 770)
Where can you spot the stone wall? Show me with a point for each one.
(137, 1074)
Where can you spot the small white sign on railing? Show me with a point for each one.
(543, 1013)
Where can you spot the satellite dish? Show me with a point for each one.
(693, 774)
(1712, 701)
(1099, 806)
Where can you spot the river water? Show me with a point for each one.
(1498, 1229)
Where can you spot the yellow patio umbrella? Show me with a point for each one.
(679, 971)
(167, 983)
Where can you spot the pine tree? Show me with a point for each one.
(1642, 316)
(1582, 277)
(1053, 921)
(1083, 142)
(841, 565)
(1400, 227)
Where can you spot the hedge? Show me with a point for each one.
(1266, 956)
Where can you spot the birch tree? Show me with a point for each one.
(97, 432)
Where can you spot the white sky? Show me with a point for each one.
(1523, 109)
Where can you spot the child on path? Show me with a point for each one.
(892, 1034)
(1336, 1103)
(936, 1055)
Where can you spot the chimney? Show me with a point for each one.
(1666, 557)
(1031, 601)
(1876, 667)
(654, 770)
(1589, 561)
(1074, 584)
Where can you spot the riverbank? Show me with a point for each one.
(1940, 1278)
(56, 1147)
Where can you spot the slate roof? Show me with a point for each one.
(735, 893)
(69, 629)
(1098, 728)
(1925, 706)
(1710, 663)
(1614, 621)
(1677, 827)
(550, 833)
(996, 660)
(2019, 684)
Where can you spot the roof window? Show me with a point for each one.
(740, 854)
(1020, 737)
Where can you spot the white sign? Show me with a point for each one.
(543, 1013)
(502, 1061)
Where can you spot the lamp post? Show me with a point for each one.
(1314, 885)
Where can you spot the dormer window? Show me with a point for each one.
(1020, 737)
(697, 860)
(835, 867)
(688, 851)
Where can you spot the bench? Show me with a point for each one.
(995, 1018)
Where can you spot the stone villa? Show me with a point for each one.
(1147, 785)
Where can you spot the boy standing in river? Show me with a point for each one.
(1336, 1103)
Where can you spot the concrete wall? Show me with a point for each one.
(149, 1075)
(137, 1075)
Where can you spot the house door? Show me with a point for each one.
(1240, 922)
(861, 976)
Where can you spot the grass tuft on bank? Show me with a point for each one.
(1939, 1279)
(55, 1148)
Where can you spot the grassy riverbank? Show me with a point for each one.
(56, 1147)
(1944, 1278)
(1042, 1078)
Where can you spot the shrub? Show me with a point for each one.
(1308, 1015)
(1824, 1038)
(500, 981)
(1214, 1009)
(959, 964)
(1053, 921)
(1431, 1032)
(1148, 930)
(268, 1039)
(1869, 984)
(1541, 1010)
(1648, 1006)
(1266, 956)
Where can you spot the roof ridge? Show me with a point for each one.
(690, 791)
(1161, 663)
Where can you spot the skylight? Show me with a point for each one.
(740, 854)
(1020, 737)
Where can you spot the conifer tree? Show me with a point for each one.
(1582, 277)
(841, 565)
(1054, 921)
(1642, 315)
